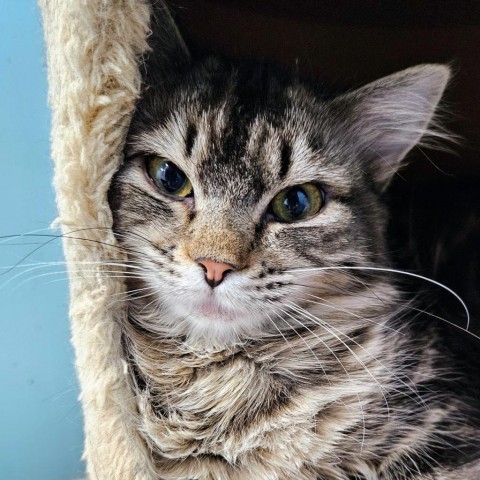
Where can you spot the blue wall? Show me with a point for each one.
(40, 418)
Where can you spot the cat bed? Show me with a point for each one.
(93, 53)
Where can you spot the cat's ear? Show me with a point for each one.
(168, 55)
(389, 116)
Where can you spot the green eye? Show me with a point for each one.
(298, 202)
(169, 178)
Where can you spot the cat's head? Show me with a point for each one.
(245, 193)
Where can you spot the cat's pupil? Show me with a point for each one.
(296, 202)
(171, 177)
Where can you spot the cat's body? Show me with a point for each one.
(273, 344)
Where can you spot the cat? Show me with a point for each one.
(268, 335)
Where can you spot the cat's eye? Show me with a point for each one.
(298, 202)
(169, 178)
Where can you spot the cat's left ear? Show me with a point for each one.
(168, 56)
(386, 118)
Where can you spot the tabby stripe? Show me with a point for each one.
(285, 160)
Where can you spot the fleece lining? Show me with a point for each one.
(94, 49)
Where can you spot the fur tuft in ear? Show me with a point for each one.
(391, 115)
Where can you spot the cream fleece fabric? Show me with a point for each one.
(93, 51)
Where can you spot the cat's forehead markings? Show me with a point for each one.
(203, 137)
(167, 137)
(308, 165)
(219, 120)
(190, 138)
(303, 161)
(263, 145)
(170, 140)
(287, 154)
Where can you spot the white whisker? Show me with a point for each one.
(392, 270)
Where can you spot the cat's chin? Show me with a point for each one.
(211, 325)
(215, 332)
(212, 311)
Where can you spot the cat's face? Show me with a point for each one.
(242, 193)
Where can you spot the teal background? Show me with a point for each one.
(40, 419)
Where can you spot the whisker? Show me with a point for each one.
(392, 270)
(289, 345)
(328, 304)
(343, 367)
(330, 329)
(69, 274)
(305, 342)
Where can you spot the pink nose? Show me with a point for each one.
(215, 271)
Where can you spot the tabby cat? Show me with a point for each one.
(268, 336)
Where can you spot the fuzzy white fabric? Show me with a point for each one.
(93, 51)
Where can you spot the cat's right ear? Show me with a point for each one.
(168, 55)
(386, 118)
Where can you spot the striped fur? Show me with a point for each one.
(306, 362)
